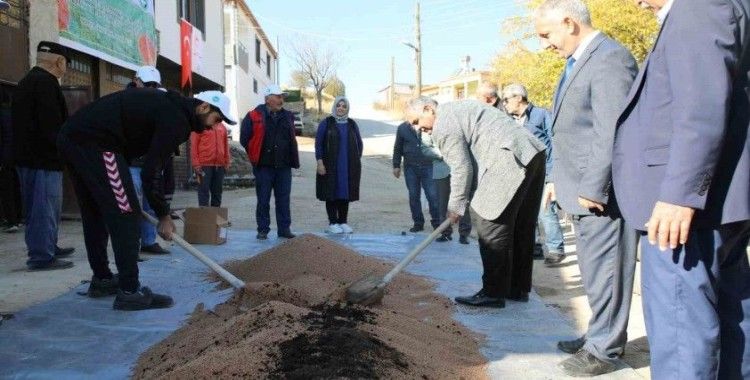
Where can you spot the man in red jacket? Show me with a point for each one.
(209, 153)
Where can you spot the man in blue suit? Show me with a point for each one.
(681, 171)
(537, 121)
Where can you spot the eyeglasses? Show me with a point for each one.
(505, 100)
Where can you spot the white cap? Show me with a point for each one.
(148, 74)
(220, 101)
(273, 89)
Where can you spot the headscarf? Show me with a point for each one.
(340, 119)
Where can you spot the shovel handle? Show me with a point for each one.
(414, 252)
(230, 278)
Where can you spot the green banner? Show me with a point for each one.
(122, 29)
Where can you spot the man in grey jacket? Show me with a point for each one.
(478, 141)
(587, 103)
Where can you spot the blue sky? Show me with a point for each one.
(368, 33)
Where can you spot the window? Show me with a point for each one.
(257, 51)
(268, 65)
(194, 11)
(255, 86)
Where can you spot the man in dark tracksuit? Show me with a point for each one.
(97, 144)
(267, 134)
(37, 113)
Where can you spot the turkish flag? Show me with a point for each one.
(186, 53)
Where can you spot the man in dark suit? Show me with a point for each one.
(588, 100)
(37, 113)
(681, 172)
(537, 121)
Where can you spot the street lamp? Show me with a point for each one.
(418, 61)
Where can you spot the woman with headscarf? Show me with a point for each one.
(338, 149)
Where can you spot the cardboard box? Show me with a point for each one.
(206, 225)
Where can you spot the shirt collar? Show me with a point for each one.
(661, 15)
(585, 42)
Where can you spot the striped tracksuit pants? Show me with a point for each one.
(109, 209)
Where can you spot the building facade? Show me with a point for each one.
(250, 59)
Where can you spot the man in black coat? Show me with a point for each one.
(98, 143)
(37, 113)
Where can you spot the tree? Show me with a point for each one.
(317, 62)
(335, 87)
(539, 71)
(299, 80)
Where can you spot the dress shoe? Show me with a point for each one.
(518, 297)
(463, 239)
(554, 258)
(538, 252)
(262, 236)
(571, 346)
(287, 235)
(54, 264)
(416, 228)
(481, 299)
(64, 252)
(584, 364)
(154, 249)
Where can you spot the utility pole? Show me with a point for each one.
(392, 92)
(418, 87)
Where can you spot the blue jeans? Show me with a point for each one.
(211, 187)
(278, 180)
(416, 177)
(148, 230)
(41, 193)
(550, 222)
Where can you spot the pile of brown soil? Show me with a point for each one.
(290, 324)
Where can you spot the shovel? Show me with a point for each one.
(230, 278)
(370, 289)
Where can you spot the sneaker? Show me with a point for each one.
(64, 252)
(335, 229)
(416, 228)
(103, 287)
(262, 236)
(463, 239)
(11, 229)
(54, 264)
(154, 249)
(346, 229)
(142, 299)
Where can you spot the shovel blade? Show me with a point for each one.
(366, 291)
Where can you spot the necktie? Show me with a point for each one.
(568, 69)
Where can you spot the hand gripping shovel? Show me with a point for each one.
(370, 290)
(230, 278)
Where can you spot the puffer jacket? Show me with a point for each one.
(210, 147)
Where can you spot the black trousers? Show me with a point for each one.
(10, 195)
(338, 211)
(506, 244)
(109, 209)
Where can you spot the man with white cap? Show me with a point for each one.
(267, 134)
(149, 77)
(97, 144)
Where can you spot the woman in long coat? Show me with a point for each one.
(338, 149)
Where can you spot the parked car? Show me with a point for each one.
(298, 125)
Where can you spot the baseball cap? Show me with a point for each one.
(220, 101)
(148, 74)
(273, 89)
(53, 48)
